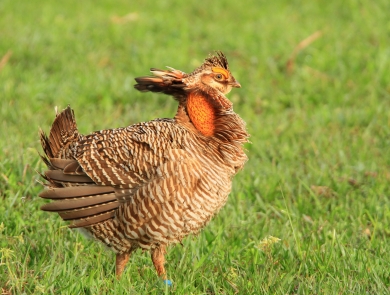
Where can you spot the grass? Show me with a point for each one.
(319, 169)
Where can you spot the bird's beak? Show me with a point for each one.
(235, 84)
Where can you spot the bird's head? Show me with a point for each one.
(214, 73)
(220, 79)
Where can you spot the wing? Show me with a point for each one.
(111, 167)
(76, 196)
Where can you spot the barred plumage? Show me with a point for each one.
(150, 184)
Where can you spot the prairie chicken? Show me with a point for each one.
(150, 184)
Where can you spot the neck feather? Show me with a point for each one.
(202, 113)
(212, 114)
(223, 131)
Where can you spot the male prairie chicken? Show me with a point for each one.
(150, 184)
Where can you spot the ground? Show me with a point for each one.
(315, 94)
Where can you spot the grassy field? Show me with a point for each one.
(315, 95)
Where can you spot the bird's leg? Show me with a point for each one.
(159, 260)
(121, 260)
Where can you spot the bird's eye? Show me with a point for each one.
(218, 76)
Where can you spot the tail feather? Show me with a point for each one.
(63, 132)
(75, 196)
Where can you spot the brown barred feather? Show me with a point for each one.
(78, 203)
(75, 191)
(95, 219)
(168, 82)
(150, 184)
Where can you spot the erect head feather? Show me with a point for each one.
(218, 60)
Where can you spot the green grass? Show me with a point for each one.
(324, 124)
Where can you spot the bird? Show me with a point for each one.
(149, 185)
